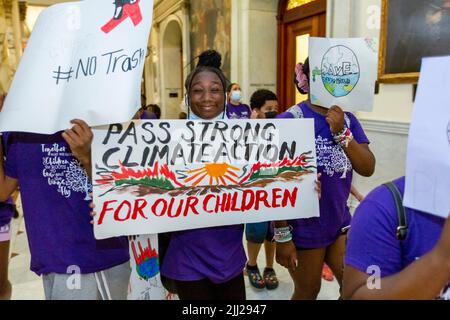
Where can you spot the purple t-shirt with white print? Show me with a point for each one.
(214, 253)
(55, 199)
(241, 111)
(372, 241)
(336, 180)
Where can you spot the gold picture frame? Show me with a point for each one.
(411, 30)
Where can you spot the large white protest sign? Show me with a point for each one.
(83, 60)
(153, 177)
(428, 162)
(343, 72)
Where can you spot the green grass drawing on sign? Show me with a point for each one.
(159, 183)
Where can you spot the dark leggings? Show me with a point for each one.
(205, 289)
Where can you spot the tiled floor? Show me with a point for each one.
(28, 286)
(329, 290)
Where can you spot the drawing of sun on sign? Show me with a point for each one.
(339, 71)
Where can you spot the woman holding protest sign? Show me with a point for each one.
(304, 245)
(207, 264)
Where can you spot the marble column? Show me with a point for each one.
(17, 33)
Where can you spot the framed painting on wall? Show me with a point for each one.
(411, 30)
(211, 29)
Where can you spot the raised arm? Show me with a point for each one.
(79, 139)
(362, 159)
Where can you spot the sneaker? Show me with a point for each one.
(327, 274)
(255, 278)
(270, 278)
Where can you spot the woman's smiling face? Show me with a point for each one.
(206, 95)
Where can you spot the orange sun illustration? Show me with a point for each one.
(220, 172)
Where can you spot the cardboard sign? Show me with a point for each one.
(84, 60)
(343, 72)
(428, 159)
(160, 176)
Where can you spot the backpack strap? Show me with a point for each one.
(402, 229)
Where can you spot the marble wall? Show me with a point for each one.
(388, 142)
(254, 45)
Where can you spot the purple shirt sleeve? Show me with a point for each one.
(357, 130)
(285, 115)
(372, 239)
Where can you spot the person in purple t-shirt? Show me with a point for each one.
(235, 108)
(206, 264)
(341, 147)
(55, 197)
(379, 265)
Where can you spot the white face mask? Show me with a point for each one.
(236, 95)
(193, 116)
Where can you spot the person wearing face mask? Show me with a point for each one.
(235, 108)
(264, 104)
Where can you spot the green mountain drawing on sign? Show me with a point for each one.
(261, 174)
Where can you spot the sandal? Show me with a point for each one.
(271, 279)
(255, 278)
